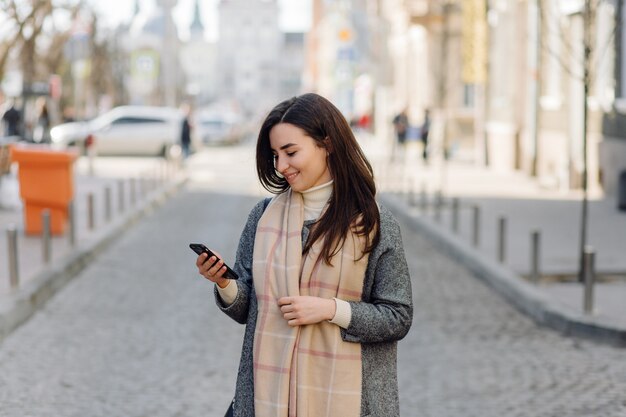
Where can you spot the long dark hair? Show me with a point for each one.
(353, 201)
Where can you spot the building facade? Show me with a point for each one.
(507, 81)
(249, 48)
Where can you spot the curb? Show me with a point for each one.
(18, 307)
(523, 295)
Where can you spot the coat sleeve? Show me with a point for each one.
(238, 309)
(385, 313)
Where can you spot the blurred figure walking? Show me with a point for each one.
(424, 134)
(185, 134)
(11, 119)
(401, 125)
(41, 133)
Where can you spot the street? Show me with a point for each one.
(137, 333)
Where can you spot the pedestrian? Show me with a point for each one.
(401, 125)
(185, 134)
(41, 133)
(324, 288)
(11, 119)
(424, 134)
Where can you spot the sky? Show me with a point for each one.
(295, 14)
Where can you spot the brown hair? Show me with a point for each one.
(353, 200)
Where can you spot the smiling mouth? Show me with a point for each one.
(290, 177)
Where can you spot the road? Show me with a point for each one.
(137, 333)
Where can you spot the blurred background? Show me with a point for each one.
(527, 85)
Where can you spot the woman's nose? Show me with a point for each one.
(280, 165)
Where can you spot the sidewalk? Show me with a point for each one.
(557, 299)
(134, 190)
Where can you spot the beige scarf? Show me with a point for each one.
(303, 371)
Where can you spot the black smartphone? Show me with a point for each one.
(199, 248)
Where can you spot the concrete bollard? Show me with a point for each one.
(475, 225)
(535, 247)
(502, 239)
(590, 277)
(14, 276)
(46, 241)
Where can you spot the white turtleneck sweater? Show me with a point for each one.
(315, 200)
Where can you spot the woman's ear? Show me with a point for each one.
(328, 145)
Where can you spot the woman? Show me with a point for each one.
(324, 288)
(41, 133)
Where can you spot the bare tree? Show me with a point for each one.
(589, 62)
(26, 24)
(22, 27)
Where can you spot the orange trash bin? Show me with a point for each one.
(46, 179)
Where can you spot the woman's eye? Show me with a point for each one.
(291, 153)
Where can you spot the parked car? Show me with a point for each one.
(217, 128)
(125, 130)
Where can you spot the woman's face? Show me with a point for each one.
(298, 158)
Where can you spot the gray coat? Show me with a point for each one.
(379, 320)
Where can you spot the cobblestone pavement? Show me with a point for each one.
(469, 353)
(137, 334)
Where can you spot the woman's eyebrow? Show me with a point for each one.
(284, 146)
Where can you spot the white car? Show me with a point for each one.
(125, 130)
(213, 128)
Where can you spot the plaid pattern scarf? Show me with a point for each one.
(303, 371)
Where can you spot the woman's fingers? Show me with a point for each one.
(209, 268)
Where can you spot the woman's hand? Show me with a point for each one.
(212, 270)
(302, 310)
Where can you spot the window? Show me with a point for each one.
(603, 62)
(136, 120)
(469, 93)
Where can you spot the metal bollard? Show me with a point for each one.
(133, 192)
(424, 200)
(438, 206)
(71, 214)
(120, 196)
(142, 188)
(535, 246)
(139, 188)
(475, 225)
(45, 236)
(411, 195)
(14, 276)
(590, 277)
(107, 204)
(91, 215)
(455, 214)
(501, 239)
